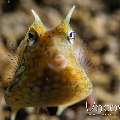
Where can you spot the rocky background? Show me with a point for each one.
(97, 23)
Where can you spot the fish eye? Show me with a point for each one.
(71, 37)
(32, 38)
(70, 40)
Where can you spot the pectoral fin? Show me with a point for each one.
(61, 109)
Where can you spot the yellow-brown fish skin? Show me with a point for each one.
(8, 65)
(49, 73)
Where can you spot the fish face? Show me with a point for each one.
(52, 73)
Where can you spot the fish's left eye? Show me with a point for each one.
(71, 37)
(32, 38)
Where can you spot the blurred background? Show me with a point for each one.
(96, 22)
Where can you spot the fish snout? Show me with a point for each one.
(59, 62)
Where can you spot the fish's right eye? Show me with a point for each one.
(32, 38)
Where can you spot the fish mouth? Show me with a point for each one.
(58, 63)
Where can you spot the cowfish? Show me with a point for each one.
(46, 70)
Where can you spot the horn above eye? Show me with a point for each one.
(38, 24)
(37, 18)
(68, 17)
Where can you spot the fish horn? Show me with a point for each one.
(68, 17)
(37, 18)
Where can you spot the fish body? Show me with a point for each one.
(48, 71)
